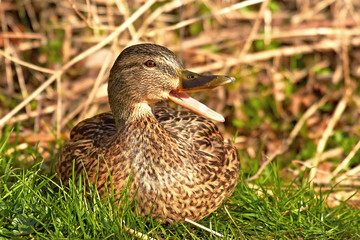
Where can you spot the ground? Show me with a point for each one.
(293, 112)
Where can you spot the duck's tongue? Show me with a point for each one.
(188, 102)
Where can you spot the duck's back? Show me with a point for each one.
(196, 129)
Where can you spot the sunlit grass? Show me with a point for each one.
(34, 204)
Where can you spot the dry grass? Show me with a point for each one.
(56, 56)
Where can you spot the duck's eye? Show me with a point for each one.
(190, 76)
(150, 63)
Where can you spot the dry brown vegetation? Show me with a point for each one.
(297, 64)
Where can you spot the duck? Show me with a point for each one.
(174, 163)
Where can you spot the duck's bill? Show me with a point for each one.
(193, 82)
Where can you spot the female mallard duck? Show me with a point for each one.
(178, 161)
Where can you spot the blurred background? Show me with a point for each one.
(295, 101)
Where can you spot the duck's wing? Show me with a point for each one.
(196, 129)
(97, 129)
(87, 139)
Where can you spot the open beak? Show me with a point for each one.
(193, 82)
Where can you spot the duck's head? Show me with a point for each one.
(144, 74)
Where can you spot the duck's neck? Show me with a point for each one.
(128, 114)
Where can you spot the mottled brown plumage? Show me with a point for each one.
(180, 165)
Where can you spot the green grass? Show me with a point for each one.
(33, 204)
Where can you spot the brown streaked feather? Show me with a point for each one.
(178, 158)
(97, 129)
